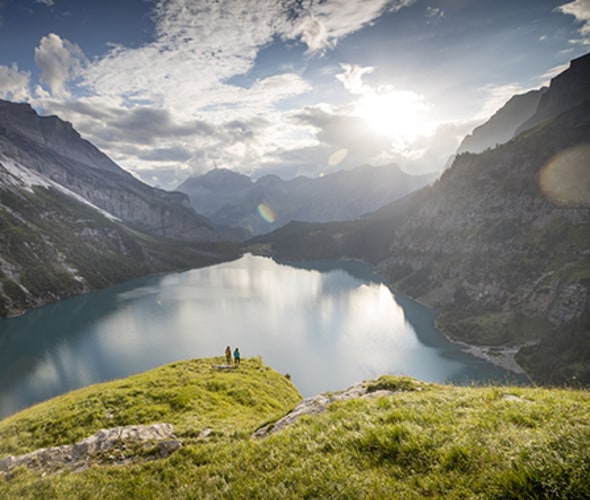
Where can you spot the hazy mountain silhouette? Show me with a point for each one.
(232, 199)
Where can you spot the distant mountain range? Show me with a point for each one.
(72, 220)
(500, 244)
(228, 198)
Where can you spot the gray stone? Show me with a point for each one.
(80, 455)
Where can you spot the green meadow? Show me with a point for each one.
(420, 440)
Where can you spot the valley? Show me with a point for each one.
(498, 245)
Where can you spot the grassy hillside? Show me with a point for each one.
(423, 440)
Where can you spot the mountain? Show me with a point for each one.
(500, 244)
(567, 90)
(502, 125)
(53, 149)
(71, 220)
(192, 429)
(232, 199)
(217, 188)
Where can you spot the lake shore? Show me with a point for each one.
(502, 356)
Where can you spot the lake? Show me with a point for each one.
(327, 325)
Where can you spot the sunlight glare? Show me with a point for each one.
(397, 114)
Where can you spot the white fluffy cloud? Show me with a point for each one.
(60, 61)
(580, 9)
(14, 84)
(172, 104)
(320, 25)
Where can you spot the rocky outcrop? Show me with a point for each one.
(315, 405)
(116, 446)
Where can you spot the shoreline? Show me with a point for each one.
(501, 356)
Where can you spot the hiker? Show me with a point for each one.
(228, 355)
(237, 356)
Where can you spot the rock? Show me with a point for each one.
(318, 404)
(80, 455)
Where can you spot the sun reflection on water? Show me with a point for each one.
(327, 329)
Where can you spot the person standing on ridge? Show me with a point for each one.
(228, 355)
(237, 356)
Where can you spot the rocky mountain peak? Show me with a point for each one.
(567, 90)
(55, 133)
(502, 125)
(52, 149)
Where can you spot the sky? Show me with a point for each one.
(174, 88)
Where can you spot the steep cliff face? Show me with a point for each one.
(71, 220)
(567, 90)
(502, 125)
(52, 148)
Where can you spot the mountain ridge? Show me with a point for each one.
(503, 124)
(56, 151)
(233, 199)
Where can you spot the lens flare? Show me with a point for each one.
(266, 213)
(337, 157)
(566, 177)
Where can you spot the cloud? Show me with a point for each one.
(580, 9)
(320, 25)
(352, 78)
(176, 94)
(434, 15)
(49, 3)
(14, 84)
(60, 61)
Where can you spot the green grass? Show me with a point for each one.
(424, 441)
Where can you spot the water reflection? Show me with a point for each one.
(327, 327)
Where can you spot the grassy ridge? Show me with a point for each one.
(426, 440)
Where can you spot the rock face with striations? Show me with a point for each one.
(53, 149)
(71, 220)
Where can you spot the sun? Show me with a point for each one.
(400, 115)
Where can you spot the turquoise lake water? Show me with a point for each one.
(328, 325)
